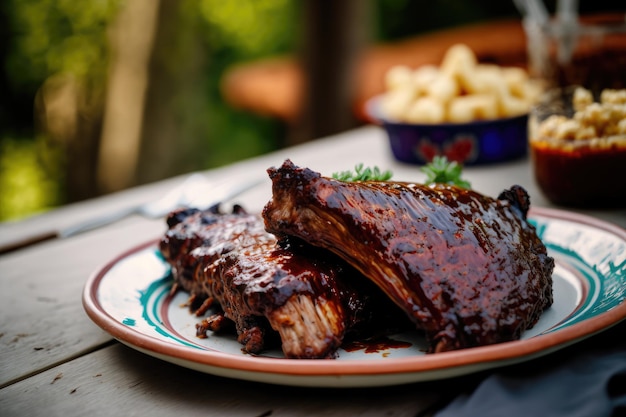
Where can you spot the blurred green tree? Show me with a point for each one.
(47, 46)
(58, 56)
(235, 31)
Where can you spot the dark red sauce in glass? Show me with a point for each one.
(589, 177)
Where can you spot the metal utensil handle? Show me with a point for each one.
(97, 222)
(28, 241)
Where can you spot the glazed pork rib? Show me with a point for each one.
(469, 270)
(291, 288)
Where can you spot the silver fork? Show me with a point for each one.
(196, 191)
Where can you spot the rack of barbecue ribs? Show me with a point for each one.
(330, 260)
(285, 292)
(467, 269)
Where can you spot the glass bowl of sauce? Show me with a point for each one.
(578, 147)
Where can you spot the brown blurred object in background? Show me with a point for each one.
(589, 53)
(275, 87)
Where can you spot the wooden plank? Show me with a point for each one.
(117, 380)
(42, 321)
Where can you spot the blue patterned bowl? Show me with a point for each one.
(479, 142)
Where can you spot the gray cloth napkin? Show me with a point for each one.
(584, 380)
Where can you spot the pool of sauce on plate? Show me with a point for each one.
(374, 345)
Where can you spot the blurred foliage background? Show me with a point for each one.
(58, 67)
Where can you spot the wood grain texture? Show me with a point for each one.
(42, 320)
(120, 381)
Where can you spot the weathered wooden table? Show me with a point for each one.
(55, 361)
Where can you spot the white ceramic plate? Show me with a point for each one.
(129, 298)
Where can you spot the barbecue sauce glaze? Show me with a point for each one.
(468, 269)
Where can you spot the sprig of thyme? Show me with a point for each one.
(362, 173)
(442, 171)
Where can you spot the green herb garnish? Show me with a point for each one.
(442, 171)
(363, 174)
